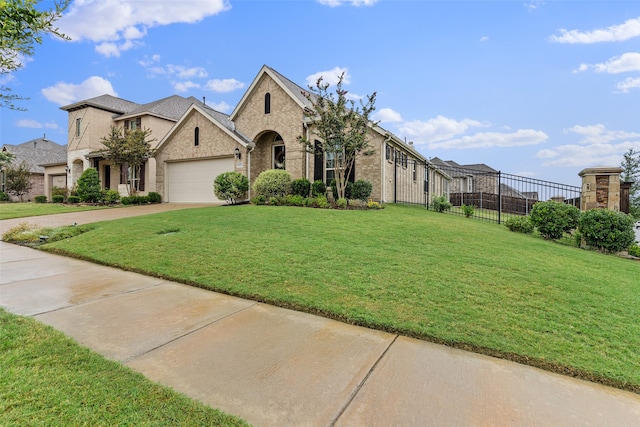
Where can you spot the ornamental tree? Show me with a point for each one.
(18, 179)
(631, 173)
(342, 128)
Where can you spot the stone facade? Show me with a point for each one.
(600, 188)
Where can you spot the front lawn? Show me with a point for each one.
(22, 210)
(444, 278)
(49, 380)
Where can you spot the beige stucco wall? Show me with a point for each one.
(159, 127)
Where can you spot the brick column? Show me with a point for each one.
(600, 188)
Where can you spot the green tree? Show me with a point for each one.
(22, 26)
(18, 180)
(342, 128)
(631, 173)
(88, 186)
(129, 150)
(230, 186)
(5, 158)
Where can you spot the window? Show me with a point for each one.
(415, 175)
(267, 103)
(330, 165)
(78, 126)
(389, 152)
(279, 157)
(196, 136)
(133, 176)
(133, 124)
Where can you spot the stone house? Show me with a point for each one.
(195, 143)
(36, 154)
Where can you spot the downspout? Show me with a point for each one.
(383, 190)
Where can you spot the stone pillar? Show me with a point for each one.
(600, 188)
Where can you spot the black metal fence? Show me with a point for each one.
(494, 195)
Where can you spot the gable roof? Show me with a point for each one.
(104, 102)
(169, 108)
(36, 153)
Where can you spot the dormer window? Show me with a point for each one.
(267, 103)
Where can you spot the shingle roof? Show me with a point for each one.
(104, 102)
(171, 107)
(37, 152)
(295, 89)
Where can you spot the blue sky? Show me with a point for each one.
(535, 88)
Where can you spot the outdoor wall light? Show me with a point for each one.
(237, 153)
(66, 169)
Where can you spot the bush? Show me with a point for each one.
(259, 200)
(553, 219)
(348, 190)
(126, 200)
(371, 204)
(607, 230)
(57, 198)
(309, 202)
(58, 191)
(441, 204)
(89, 186)
(294, 200)
(318, 188)
(4, 197)
(634, 250)
(341, 203)
(110, 196)
(321, 202)
(301, 187)
(468, 210)
(272, 183)
(157, 198)
(73, 199)
(361, 190)
(520, 224)
(231, 186)
(40, 199)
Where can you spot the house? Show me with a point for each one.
(37, 153)
(194, 143)
(474, 178)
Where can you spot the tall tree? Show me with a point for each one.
(22, 26)
(129, 150)
(5, 158)
(342, 127)
(18, 179)
(631, 173)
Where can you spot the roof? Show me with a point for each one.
(104, 102)
(457, 170)
(37, 152)
(170, 108)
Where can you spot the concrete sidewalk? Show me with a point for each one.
(273, 366)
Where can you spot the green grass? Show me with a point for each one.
(22, 210)
(49, 380)
(444, 278)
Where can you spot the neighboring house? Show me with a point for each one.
(475, 178)
(194, 143)
(36, 153)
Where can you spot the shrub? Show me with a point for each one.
(73, 199)
(348, 190)
(361, 189)
(301, 187)
(278, 201)
(607, 230)
(126, 200)
(321, 202)
(341, 203)
(259, 200)
(140, 200)
(309, 202)
(231, 186)
(4, 197)
(520, 224)
(634, 250)
(58, 191)
(371, 204)
(294, 200)
(272, 183)
(110, 196)
(157, 198)
(553, 219)
(89, 186)
(318, 188)
(441, 204)
(468, 210)
(22, 232)
(40, 199)
(57, 198)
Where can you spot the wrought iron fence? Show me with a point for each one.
(494, 195)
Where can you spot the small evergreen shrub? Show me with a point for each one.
(4, 197)
(231, 186)
(361, 190)
(441, 204)
(301, 187)
(321, 202)
(73, 199)
(40, 199)
(553, 219)
(294, 200)
(634, 250)
(318, 188)
(341, 203)
(309, 202)
(272, 183)
(259, 200)
(58, 191)
(372, 204)
(126, 200)
(157, 198)
(468, 210)
(607, 230)
(348, 190)
(110, 196)
(89, 189)
(520, 224)
(57, 198)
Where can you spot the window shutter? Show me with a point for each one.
(318, 163)
(141, 184)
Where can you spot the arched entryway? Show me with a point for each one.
(270, 152)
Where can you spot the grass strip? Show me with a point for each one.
(23, 210)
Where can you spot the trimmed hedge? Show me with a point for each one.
(272, 183)
(553, 219)
(607, 230)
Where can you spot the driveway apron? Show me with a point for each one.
(273, 366)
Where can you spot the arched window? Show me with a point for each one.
(196, 136)
(267, 103)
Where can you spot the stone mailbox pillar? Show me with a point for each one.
(600, 188)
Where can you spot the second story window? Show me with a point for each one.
(196, 136)
(267, 103)
(78, 126)
(133, 124)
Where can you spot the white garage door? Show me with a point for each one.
(192, 181)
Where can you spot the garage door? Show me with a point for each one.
(192, 181)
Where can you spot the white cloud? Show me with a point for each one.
(519, 138)
(147, 62)
(628, 84)
(620, 64)
(336, 3)
(67, 93)
(437, 129)
(533, 4)
(598, 134)
(221, 106)
(625, 31)
(332, 77)
(484, 39)
(224, 85)
(172, 70)
(387, 115)
(185, 86)
(117, 22)
(34, 124)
